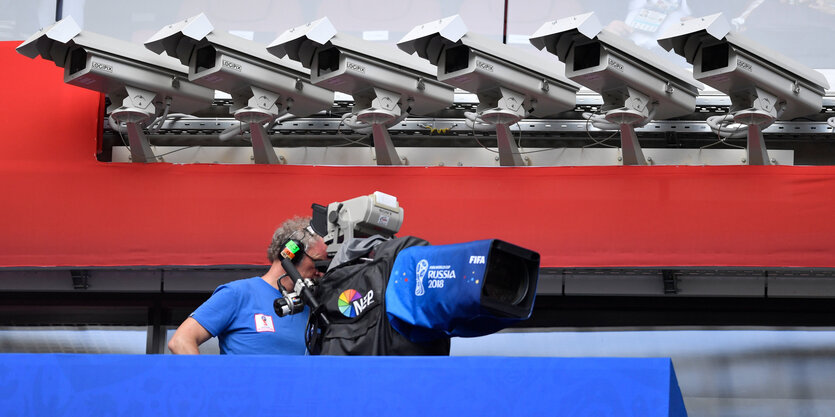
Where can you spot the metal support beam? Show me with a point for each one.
(262, 148)
(140, 147)
(383, 147)
(757, 152)
(631, 148)
(508, 151)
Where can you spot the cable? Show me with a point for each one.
(233, 131)
(473, 121)
(356, 142)
(176, 150)
(366, 128)
(725, 127)
(116, 125)
(157, 124)
(123, 141)
(589, 116)
(242, 127)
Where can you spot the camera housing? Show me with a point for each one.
(385, 83)
(262, 86)
(464, 289)
(762, 84)
(508, 90)
(374, 214)
(636, 85)
(140, 84)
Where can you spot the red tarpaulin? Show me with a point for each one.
(60, 207)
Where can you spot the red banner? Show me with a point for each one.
(60, 207)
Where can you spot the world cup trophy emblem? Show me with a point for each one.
(420, 273)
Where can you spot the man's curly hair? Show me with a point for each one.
(295, 228)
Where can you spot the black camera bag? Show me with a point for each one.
(358, 323)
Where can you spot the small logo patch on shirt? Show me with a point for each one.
(264, 323)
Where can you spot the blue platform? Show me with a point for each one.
(156, 385)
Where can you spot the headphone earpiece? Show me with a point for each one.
(294, 250)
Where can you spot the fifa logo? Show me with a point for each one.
(477, 260)
(420, 274)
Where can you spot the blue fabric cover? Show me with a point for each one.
(241, 315)
(435, 291)
(58, 385)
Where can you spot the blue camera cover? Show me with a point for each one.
(435, 291)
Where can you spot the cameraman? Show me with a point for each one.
(241, 313)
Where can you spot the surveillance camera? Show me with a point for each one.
(386, 84)
(139, 83)
(636, 85)
(510, 84)
(763, 85)
(261, 85)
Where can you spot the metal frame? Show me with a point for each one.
(161, 298)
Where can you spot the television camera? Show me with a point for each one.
(385, 296)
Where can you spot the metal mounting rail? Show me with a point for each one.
(446, 126)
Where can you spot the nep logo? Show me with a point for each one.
(351, 303)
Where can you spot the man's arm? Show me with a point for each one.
(188, 337)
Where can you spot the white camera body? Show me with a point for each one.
(609, 64)
(234, 65)
(353, 66)
(110, 66)
(478, 64)
(737, 66)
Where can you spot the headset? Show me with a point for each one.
(291, 254)
(293, 247)
(295, 250)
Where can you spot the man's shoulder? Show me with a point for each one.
(244, 282)
(238, 285)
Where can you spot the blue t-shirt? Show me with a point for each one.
(242, 316)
